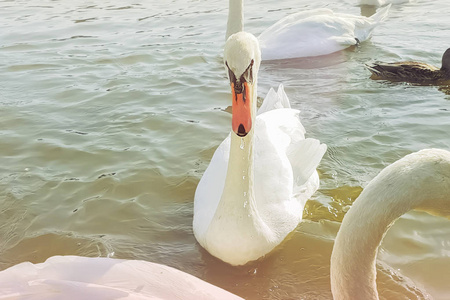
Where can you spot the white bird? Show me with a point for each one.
(100, 278)
(254, 190)
(420, 180)
(381, 2)
(308, 33)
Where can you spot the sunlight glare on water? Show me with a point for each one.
(111, 112)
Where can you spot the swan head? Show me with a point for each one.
(242, 58)
(446, 60)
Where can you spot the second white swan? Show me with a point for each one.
(308, 33)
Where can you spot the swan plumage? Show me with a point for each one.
(316, 32)
(75, 277)
(420, 180)
(254, 190)
(411, 71)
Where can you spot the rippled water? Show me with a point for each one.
(111, 111)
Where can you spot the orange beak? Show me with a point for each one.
(241, 122)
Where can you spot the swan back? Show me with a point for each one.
(316, 32)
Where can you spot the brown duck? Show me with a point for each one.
(415, 72)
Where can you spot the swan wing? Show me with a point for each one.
(310, 36)
(275, 100)
(285, 168)
(304, 155)
(74, 277)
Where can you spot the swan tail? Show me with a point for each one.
(381, 14)
(275, 100)
(365, 26)
(305, 155)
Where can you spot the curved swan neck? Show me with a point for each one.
(235, 17)
(419, 180)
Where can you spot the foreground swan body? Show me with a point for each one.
(411, 71)
(75, 277)
(316, 32)
(253, 192)
(420, 180)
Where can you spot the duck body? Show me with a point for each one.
(101, 278)
(414, 72)
(409, 71)
(238, 224)
(316, 32)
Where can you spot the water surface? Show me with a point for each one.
(111, 111)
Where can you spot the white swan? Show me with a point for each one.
(100, 278)
(308, 33)
(420, 180)
(253, 192)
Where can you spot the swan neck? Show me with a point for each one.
(239, 181)
(238, 194)
(241, 158)
(353, 261)
(417, 181)
(235, 17)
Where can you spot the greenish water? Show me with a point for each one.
(111, 111)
